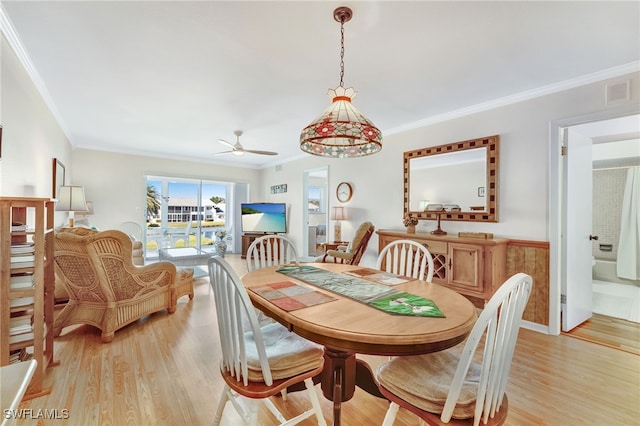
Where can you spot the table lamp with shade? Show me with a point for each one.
(71, 199)
(82, 216)
(337, 214)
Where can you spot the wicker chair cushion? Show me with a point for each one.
(78, 231)
(288, 353)
(424, 380)
(137, 253)
(184, 273)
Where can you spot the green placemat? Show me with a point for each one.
(407, 304)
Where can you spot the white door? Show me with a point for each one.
(576, 242)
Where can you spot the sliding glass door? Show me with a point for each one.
(186, 212)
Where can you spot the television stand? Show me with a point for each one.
(247, 239)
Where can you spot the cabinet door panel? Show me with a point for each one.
(466, 267)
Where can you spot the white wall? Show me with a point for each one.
(115, 182)
(31, 137)
(117, 186)
(524, 167)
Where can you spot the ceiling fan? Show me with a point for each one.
(237, 149)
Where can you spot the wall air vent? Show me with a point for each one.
(618, 92)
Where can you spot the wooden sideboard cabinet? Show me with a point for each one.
(473, 267)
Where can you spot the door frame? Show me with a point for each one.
(556, 213)
(305, 202)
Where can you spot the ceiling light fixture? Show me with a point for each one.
(341, 130)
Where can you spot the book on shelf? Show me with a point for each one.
(23, 261)
(18, 226)
(22, 248)
(19, 355)
(14, 356)
(18, 265)
(21, 301)
(23, 337)
(20, 324)
(22, 258)
(18, 282)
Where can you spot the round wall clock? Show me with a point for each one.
(344, 191)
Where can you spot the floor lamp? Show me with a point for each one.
(337, 214)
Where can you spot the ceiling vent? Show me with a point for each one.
(618, 92)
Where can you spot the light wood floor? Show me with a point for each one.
(608, 331)
(163, 370)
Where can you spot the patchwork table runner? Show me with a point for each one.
(376, 295)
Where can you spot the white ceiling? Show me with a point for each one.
(169, 78)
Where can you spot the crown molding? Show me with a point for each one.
(522, 96)
(8, 30)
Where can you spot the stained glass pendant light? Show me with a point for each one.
(341, 130)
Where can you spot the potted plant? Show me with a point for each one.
(410, 222)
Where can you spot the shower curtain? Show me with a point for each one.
(628, 262)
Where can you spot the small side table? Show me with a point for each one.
(334, 245)
(187, 256)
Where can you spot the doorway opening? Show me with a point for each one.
(315, 197)
(573, 250)
(616, 166)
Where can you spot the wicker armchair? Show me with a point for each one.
(106, 290)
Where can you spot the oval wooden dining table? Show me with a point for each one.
(346, 327)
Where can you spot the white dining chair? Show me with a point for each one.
(132, 229)
(259, 363)
(270, 250)
(407, 258)
(447, 387)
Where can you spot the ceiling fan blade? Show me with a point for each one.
(253, 151)
(229, 144)
(237, 148)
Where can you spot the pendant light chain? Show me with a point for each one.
(341, 131)
(341, 51)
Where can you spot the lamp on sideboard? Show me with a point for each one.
(438, 210)
(337, 214)
(71, 199)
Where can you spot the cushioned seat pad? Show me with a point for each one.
(424, 380)
(288, 353)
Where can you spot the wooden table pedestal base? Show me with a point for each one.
(341, 374)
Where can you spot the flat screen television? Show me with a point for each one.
(264, 218)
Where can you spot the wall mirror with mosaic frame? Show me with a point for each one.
(462, 177)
